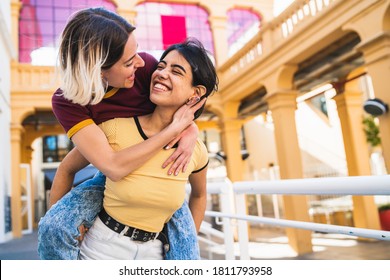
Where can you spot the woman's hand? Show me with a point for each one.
(83, 230)
(184, 116)
(182, 155)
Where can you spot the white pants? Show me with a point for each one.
(102, 243)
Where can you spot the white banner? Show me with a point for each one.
(210, 270)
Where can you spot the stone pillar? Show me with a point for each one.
(126, 9)
(349, 107)
(231, 141)
(218, 25)
(376, 52)
(16, 5)
(283, 106)
(16, 210)
(129, 15)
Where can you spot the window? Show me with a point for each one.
(55, 147)
(158, 25)
(319, 102)
(242, 26)
(41, 23)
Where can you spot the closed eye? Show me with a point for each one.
(177, 72)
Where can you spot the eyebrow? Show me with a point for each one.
(179, 66)
(174, 65)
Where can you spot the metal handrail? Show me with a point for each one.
(351, 185)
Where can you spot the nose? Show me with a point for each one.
(162, 74)
(139, 61)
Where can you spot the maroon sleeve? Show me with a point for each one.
(68, 114)
(144, 74)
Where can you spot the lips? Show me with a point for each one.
(131, 78)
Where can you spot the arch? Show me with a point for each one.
(215, 109)
(285, 76)
(375, 21)
(282, 79)
(40, 118)
(386, 20)
(31, 134)
(251, 10)
(19, 114)
(242, 25)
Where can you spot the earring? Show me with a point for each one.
(193, 100)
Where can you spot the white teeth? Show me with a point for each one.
(160, 86)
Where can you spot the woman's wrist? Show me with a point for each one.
(175, 128)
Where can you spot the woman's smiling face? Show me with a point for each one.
(122, 73)
(172, 81)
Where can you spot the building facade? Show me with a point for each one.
(7, 52)
(292, 88)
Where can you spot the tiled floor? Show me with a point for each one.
(267, 244)
(272, 244)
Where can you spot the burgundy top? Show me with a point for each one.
(117, 103)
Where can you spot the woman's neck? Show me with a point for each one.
(155, 122)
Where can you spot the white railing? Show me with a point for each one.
(26, 196)
(225, 191)
(352, 185)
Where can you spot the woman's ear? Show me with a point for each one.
(200, 90)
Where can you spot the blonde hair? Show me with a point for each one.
(93, 40)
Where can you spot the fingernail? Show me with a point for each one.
(167, 147)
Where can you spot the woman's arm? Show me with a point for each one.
(93, 145)
(198, 196)
(63, 179)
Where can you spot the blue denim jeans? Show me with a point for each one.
(58, 229)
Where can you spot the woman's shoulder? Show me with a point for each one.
(58, 99)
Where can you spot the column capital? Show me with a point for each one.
(282, 99)
(16, 6)
(16, 132)
(349, 98)
(230, 110)
(232, 124)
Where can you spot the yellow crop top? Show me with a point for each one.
(148, 197)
